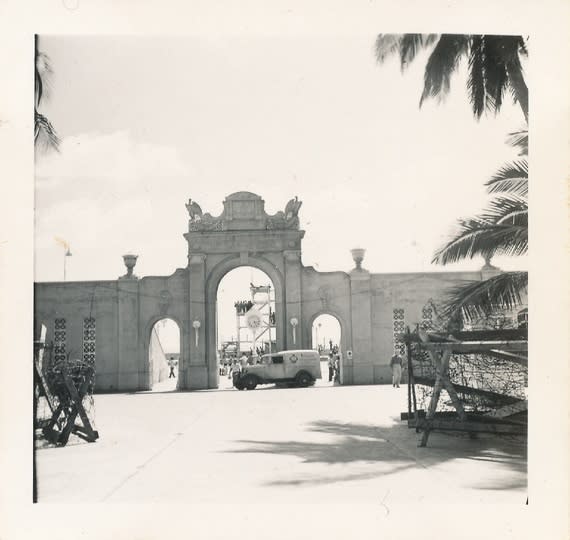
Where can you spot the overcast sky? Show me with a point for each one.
(147, 122)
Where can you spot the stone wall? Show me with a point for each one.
(120, 315)
(71, 305)
(114, 320)
(398, 300)
(371, 309)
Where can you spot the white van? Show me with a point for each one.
(301, 367)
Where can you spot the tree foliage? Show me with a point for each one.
(45, 135)
(502, 229)
(494, 65)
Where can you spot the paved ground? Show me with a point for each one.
(309, 445)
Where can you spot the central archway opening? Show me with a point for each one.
(164, 355)
(245, 320)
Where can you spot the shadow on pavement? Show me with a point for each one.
(398, 445)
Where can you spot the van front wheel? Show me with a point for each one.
(303, 379)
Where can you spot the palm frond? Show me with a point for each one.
(442, 64)
(516, 217)
(503, 70)
(497, 79)
(44, 133)
(494, 66)
(476, 78)
(522, 41)
(513, 47)
(511, 178)
(386, 45)
(502, 207)
(411, 44)
(43, 72)
(477, 238)
(517, 185)
(38, 84)
(406, 46)
(519, 89)
(519, 139)
(481, 298)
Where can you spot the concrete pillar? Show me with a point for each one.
(361, 319)
(293, 298)
(133, 370)
(197, 375)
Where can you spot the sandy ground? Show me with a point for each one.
(304, 445)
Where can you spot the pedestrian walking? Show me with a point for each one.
(171, 372)
(234, 367)
(396, 365)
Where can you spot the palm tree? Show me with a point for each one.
(501, 230)
(494, 64)
(44, 133)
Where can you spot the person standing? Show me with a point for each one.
(331, 366)
(337, 368)
(396, 365)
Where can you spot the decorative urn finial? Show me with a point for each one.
(358, 257)
(130, 261)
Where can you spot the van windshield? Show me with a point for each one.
(272, 359)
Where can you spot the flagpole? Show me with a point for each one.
(66, 254)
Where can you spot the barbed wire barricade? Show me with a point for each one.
(63, 391)
(473, 381)
(499, 381)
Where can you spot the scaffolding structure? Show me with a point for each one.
(255, 321)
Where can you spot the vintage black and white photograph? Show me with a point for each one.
(278, 271)
(271, 269)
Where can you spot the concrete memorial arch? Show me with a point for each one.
(243, 235)
(110, 322)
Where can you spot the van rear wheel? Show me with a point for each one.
(303, 379)
(250, 382)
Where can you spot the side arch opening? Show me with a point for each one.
(164, 355)
(326, 338)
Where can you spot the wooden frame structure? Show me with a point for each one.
(505, 345)
(64, 409)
